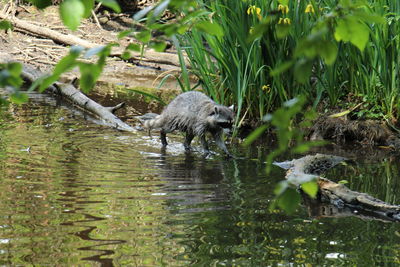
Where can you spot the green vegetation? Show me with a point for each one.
(272, 51)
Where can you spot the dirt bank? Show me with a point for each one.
(45, 52)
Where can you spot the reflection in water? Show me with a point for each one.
(318, 209)
(192, 180)
(86, 194)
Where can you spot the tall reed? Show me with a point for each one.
(237, 69)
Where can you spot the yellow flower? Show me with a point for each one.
(284, 21)
(254, 10)
(309, 9)
(251, 30)
(283, 8)
(266, 88)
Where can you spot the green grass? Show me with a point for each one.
(236, 69)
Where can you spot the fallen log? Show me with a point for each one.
(333, 199)
(76, 97)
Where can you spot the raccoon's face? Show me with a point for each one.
(222, 117)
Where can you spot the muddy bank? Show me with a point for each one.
(44, 52)
(342, 130)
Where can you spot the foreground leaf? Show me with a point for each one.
(210, 28)
(5, 25)
(289, 200)
(41, 4)
(352, 30)
(19, 98)
(111, 4)
(89, 75)
(71, 12)
(310, 188)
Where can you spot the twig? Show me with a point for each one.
(96, 20)
(97, 7)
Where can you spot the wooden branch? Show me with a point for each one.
(70, 93)
(69, 39)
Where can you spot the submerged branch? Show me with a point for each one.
(76, 97)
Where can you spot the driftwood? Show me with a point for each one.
(76, 97)
(69, 39)
(336, 200)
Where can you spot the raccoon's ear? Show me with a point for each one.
(216, 110)
(232, 107)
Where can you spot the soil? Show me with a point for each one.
(44, 53)
(343, 130)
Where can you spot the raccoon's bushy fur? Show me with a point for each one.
(195, 114)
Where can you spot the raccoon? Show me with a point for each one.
(195, 114)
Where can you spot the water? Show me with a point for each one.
(73, 193)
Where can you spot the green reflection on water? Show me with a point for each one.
(84, 194)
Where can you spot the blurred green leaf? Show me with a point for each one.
(310, 188)
(350, 29)
(113, 4)
(143, 36)
(282, 30)
(255, 134)
(303, 70)
(88, 7)
(10, 74)
(158, 46)
(301, 148)
(14, 68)
(281, 68)
(281, 187)
(328, 51)
(134, 47)
(41, 4)
(89, 75)
(126, 55)
(46, 82)
(289, 200)
(19, 98)
(65, 64)
(5, 25)
(210, 28)
(124, 34)
(257, 32)
(368, 17)
(71, 12)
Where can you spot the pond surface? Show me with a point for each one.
(74, 193)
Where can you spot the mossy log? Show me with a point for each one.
(333, 199)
